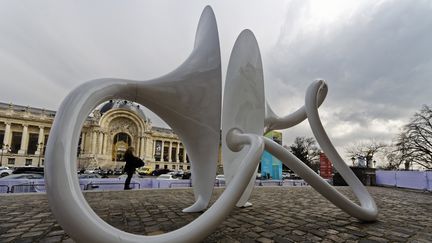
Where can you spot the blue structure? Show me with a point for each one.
(271, 167)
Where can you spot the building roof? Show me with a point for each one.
(112, 104)
(162, 130)
(122, 104)
(32, 110)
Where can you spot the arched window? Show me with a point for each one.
(121, 136)
(121, 142)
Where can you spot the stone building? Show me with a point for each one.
(106, 134)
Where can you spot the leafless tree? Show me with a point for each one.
(393, 157)
(366, 149)
(415, 142)
(307, 151)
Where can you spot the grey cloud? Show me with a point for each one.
(378, 62)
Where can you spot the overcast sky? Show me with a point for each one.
(375, 55)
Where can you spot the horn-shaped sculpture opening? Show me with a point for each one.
(188, 99)
(243, 104)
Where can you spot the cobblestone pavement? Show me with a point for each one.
(279, 214)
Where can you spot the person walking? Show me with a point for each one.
(132, 162)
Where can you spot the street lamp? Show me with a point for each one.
(40, 153)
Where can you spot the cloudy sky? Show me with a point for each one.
(375, 55)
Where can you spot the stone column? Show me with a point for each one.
(94, 138)
(41, 140)
(170, 152)
(184, 155)
(7, 135)
(154, 150)
(24, 140)
(105, 143)
(101, 139)
(91, 135)
(178, 152)
(83, 142)
(137, 147)
(162, 150)
(142, 147)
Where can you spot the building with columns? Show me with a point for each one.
(105, 136)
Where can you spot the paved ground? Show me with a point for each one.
(279, 214)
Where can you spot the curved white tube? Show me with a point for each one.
(368, 210)
(68, 203)
(315, 96)
(274, 122)
(188, 99)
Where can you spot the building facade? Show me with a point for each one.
(105, 136)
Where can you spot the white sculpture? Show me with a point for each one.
(244, 103)
(189, 100)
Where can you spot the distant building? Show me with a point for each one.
(104, 138)
(271, 167)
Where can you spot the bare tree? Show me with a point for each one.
(415, 142)
(307, 151)
(365, 149)
(393, 157)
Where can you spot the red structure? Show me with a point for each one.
(326, 167)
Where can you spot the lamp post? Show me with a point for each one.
(40, 153)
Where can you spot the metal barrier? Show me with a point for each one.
(27, 187)
(31, 187)
(419, 180)
(181, 183)
(270, 183)
(102, 186)
(4, 189)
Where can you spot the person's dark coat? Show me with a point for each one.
(132, 163)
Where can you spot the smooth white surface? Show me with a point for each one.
(189, 100)
(274, 122)
(315, 95)
(243, 104)
(368, 210)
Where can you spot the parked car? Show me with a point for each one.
(166, 177)
(143, 170)
(28, 170)
(91, 171)
(5, 171)
(89, 176)
(286, 175)
(160, 172)
(23, 176)
(179, 173)
(103, 173)
(220, 178)
(186, 175)
(118, 171)
(123, 177)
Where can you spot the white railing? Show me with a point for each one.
(112, 184)
(420, 180)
